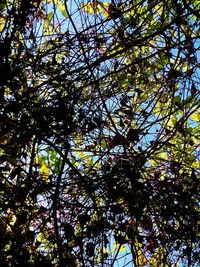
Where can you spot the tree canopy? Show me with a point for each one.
(99, 133)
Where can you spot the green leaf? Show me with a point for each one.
(62, 9)
(3, 5)
(50, 15)
(161, 155)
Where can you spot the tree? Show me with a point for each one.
(99, 141)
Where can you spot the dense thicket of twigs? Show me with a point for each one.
(99, 133)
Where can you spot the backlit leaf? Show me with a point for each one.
(96, 7)
(62, 9)
(195, 116)
(91, 7)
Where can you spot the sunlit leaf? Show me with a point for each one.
(41, 238)
(96, 7)
(121, 248)
(99, 132)
(2, 23)
(50, 15)
(44, 169)
(195, 116)
(47, 28)
(161, 155)
(142, 260)
(159, 9)
(62, 9)
(103, 7)
(91, 7)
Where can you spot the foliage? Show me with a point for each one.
(99, 133)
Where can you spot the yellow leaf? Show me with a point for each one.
(142, 260)
(116, 247)
(195, 164)
(103, 7)
(161, 155)
(61, 8)
(96, 7)
(44, 172)
(2, 23)
(44, 169)
(91, 7)
(41, 238)
(47, 28)
(159, 9)
(7, 247)
(122, 249)
(195, 116)
(171, 122)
